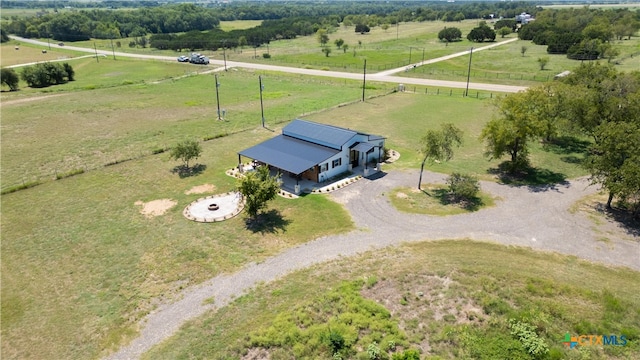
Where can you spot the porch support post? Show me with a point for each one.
(240, 163)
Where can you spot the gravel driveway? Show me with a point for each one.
(524, 216)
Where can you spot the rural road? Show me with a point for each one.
(384, 76)
(547, 226)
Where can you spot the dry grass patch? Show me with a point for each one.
(201, 189)
(609, 223)
(156, 207)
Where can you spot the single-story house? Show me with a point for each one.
(317, 152)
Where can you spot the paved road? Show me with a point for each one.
(385, 76)
(531, 217)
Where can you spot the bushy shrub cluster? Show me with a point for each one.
(47, 74)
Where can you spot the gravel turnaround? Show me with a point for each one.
(523, 216)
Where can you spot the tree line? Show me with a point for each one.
(581, 33)
(595, 101)
(83, 24)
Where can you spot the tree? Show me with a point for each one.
(186, 151)
(523, 50)
(362, 28)
(326, 50)
(504, 31)
(322, 36)
(258, 187)
(339, 43)
(543, 61)
(10, 78)
(450, 34)
(481, 33)
(510, 133)
(437, 145)
(385, 27)
(344, 48)
(614, 161)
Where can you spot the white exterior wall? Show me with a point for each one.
(331, 172)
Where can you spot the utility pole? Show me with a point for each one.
(224, 54)
(364, 78)
(466, 93)
(261, 104)
(96, 50)
(113, 50)
(218, 96)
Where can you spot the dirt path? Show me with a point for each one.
(533, 217)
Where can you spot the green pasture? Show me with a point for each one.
(122, 109)
(405, 117)
(80, 263)
(239, 24)
(383, 49)
(453, 297)
(506, 64)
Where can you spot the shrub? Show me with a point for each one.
(463, 186)
(266, 56)
(69, 174)
(526, 334)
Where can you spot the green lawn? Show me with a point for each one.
(455, 298)
(433, 199)
(405, 117)
(81, 265)
(123, 109)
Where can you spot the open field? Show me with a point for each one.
(239, 24)
(131, 108)
(81, 264)
(450, 299)
(489, 66)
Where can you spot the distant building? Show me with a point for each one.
(524, 18)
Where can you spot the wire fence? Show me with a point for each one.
(426, 71)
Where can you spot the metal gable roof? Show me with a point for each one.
(289, 154)
(321, 134)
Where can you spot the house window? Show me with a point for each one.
(324, 167)
(336, 163)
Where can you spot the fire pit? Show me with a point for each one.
(213, 207)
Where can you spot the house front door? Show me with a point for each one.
(353, 158)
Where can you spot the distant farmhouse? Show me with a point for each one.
(524, 18)
(317, 152)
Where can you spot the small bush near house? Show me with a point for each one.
(463, 187)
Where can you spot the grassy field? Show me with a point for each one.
(451, 299)
(404, 118)
(81, 264)
(123, 109)
(506, 64)
(433, 200)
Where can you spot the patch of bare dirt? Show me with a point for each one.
(155, 207)
(257, 354)
(401, 195)
(201, 189)
(29, 99)
(392, 156)
(417, 300)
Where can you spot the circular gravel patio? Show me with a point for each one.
(215, 207)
